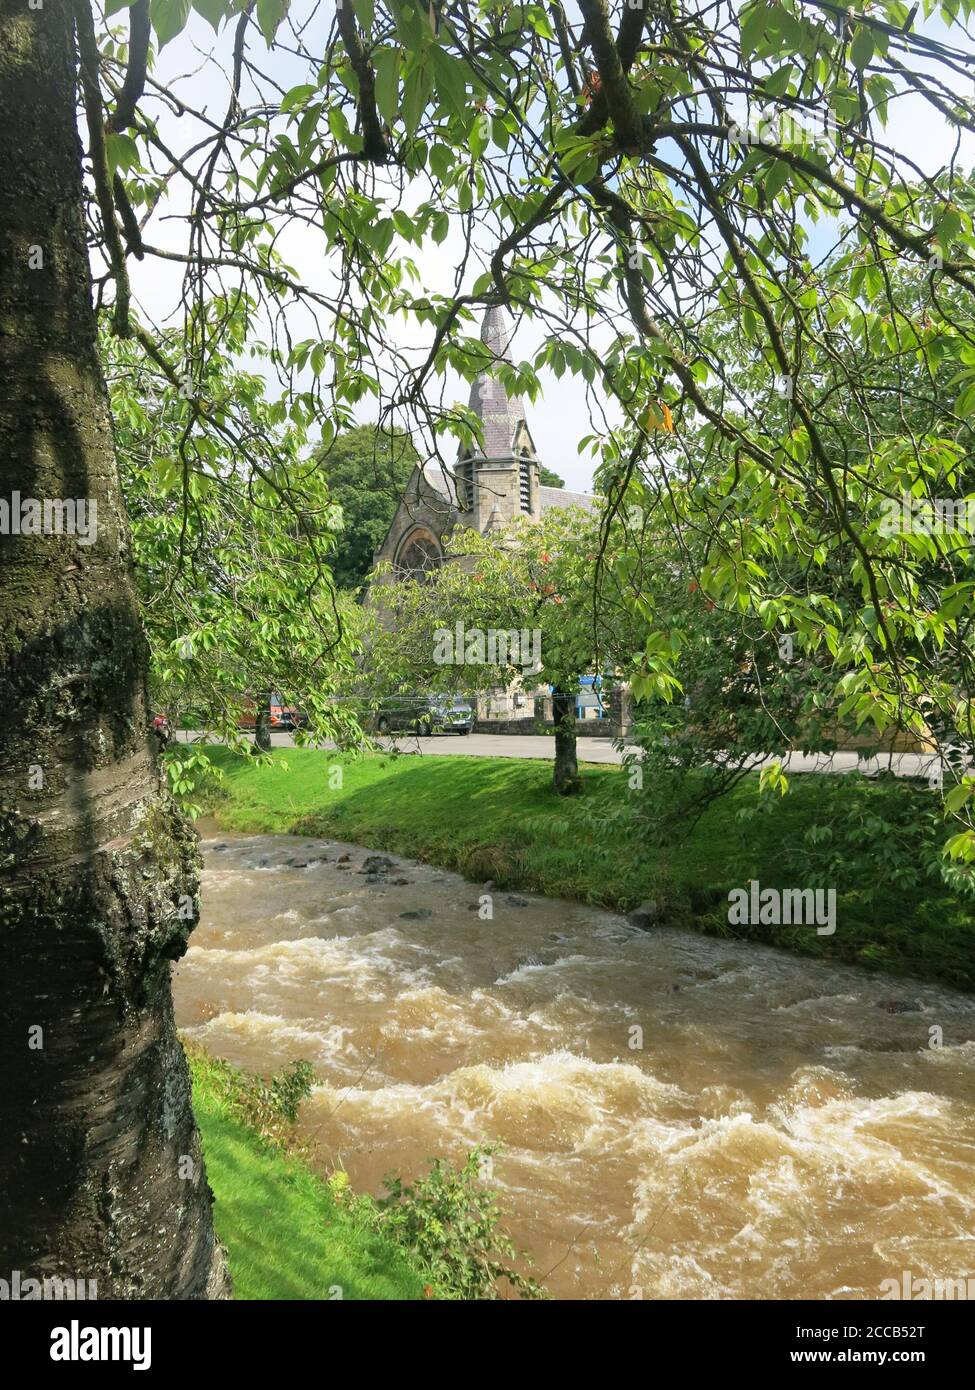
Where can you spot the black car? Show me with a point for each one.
(426, 714)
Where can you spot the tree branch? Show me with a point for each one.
(615, 87)
(374, 146)
(135, 74)
(92, 95)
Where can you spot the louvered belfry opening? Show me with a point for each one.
(525, 481)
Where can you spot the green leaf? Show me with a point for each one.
(965, 404)
(957, 797)
(949, 224)
(270, 13)
(441, 161)
(776, 178)
(478, 140)
(213, 11)
(961, 846)
(416, 90)
(298, 97)
(382, 237)
(122, 152)
(776, 83)
(365, 13)
(308, 126)
(386, 65)
(539, 21)
(861, 49)
(405, 226)
(113, 6)
(168, 18)
(339, 126)
(450, 77)
(753, 27)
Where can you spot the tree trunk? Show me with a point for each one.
(262, 723)
(102, 1174)
(566, 773)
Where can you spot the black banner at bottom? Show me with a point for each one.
(168, 1338)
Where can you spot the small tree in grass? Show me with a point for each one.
(537, 603)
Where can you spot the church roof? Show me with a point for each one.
(490, 401)
(440, 481)
(561, 497)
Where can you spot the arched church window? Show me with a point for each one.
(419, 555)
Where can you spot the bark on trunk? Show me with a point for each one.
(566, 772)
(101, 1174)
(262, 724)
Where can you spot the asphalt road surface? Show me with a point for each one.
(602, 750)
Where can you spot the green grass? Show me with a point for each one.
(286, 1235)
(498, 818)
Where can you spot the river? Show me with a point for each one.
(681, 1117)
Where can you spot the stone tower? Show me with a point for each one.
(501, 483)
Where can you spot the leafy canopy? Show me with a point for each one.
(612, 176)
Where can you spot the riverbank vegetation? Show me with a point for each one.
(291, 1233)
(875, 841)
(286, 1233)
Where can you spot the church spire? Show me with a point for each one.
(496, 333)
(499, 413)
(499, 480)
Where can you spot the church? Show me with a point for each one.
(488, 489)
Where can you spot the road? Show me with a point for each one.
(602, 750)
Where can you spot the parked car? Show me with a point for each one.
(426, 714)
(286, 716)
(283, 717)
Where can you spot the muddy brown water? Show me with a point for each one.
(681, 1116)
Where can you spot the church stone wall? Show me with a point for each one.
(498, 488)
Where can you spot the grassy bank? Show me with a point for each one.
(498, 818)
(286, 1235)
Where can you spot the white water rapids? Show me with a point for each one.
(785, 1129)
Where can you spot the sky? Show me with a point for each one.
(200, 60)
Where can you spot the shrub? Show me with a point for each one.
(449, 1221)
(270, 1108)
(446, 1222)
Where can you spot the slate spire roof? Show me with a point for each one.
(500, 413)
